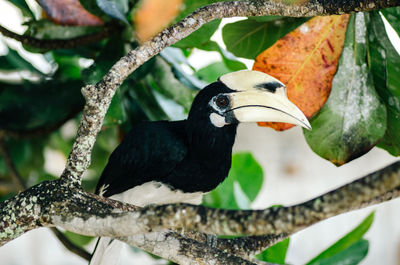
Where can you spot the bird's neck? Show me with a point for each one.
(209, 142)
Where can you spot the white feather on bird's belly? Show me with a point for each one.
(154, 192)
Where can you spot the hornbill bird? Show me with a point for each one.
(166, 162)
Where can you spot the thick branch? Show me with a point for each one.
(55, 203)
(374, 188)
(175, 247)
(98, 97)
(244, 247)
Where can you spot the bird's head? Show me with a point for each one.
(246, 96)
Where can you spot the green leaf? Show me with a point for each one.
(169, 86)
(68, 65)
(114, 8)
(21, 4)
(345, 242)
(77, 239)
(384, 64)
(33, 106)
(240, 197)
(143, 94)
(200, 36)
(116, 113)
(228, 58)
(27, 154)
(13, 61)
(266, 18)
(212, 72)
(392, 15)
(175, 57)
(275, 254)
(247, 173)
(351, 256)
(248, 38)
(111, 52)
(353, 119)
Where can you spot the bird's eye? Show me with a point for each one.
(222, 101)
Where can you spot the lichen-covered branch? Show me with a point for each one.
(98, 97)
(55, 203)
(245, 247)
(374, 188)
(177, 248)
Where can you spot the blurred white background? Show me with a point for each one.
(293, 173)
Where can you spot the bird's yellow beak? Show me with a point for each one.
(259, 97)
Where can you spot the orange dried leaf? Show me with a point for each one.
(153, 16)
(69, 12)
(306, 61)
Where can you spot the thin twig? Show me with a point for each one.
(52, 44)
(71, 246)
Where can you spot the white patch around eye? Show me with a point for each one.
(217, 120)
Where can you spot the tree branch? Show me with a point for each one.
(53, 44)
(175, 247)
(244, 247)
(56, 203)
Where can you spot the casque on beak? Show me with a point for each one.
(259, 97)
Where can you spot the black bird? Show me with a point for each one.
(166, 162)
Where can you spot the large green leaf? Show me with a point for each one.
(384, 63)
(169, 86)
(275, 254)
(142, 92)
(342, 245)
(32, 106)
(353, 119)
(392, 15)
(247, 173)
(248, 38)
(176, 59)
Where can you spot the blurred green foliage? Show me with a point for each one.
(40, 110)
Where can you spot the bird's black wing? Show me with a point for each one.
(150, 151)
